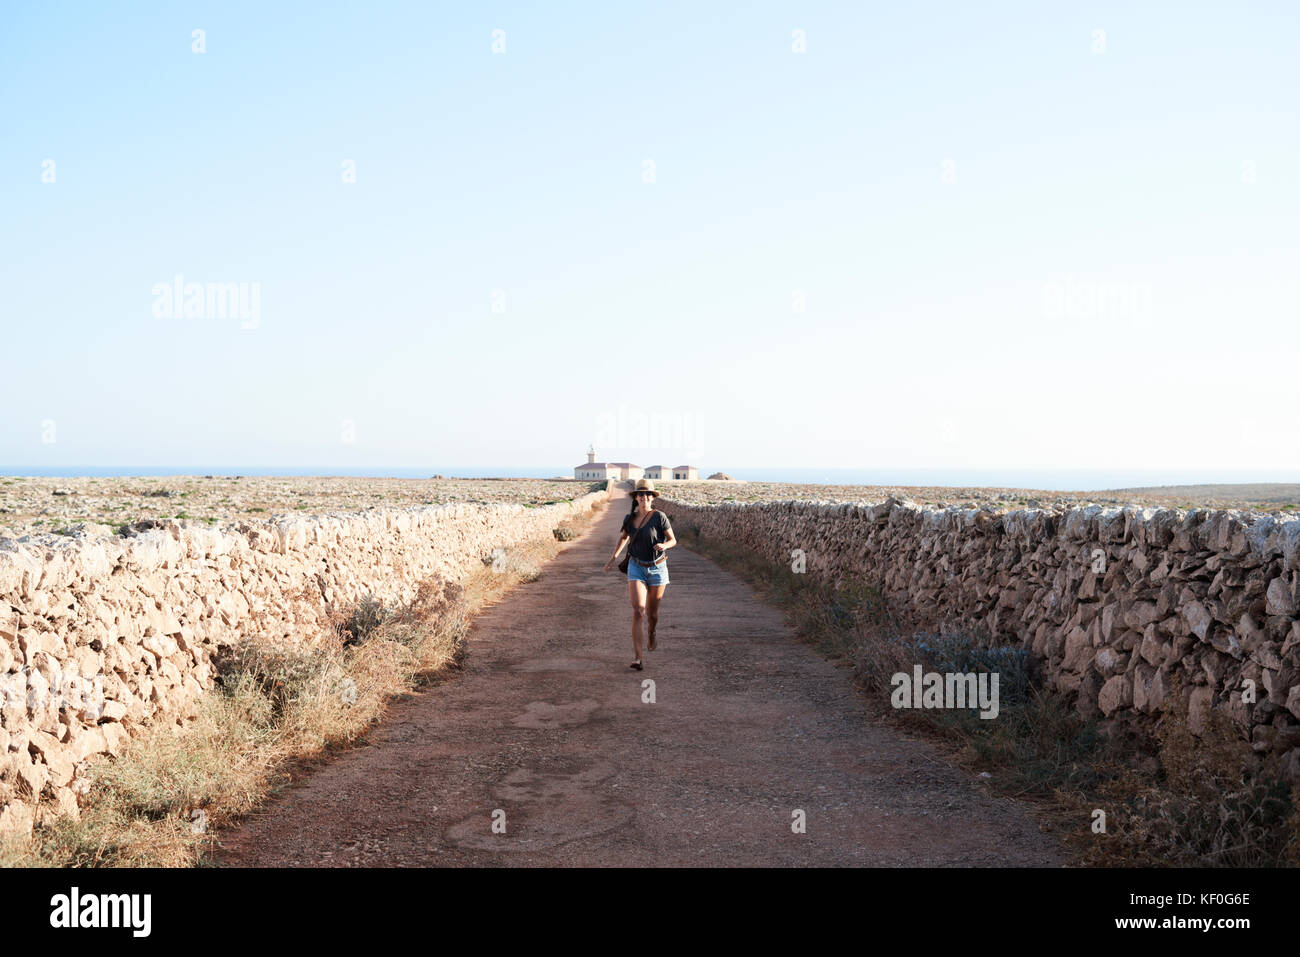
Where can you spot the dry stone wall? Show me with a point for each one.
(1120, 605)
(99, 636)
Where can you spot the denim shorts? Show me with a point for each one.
(652, 575)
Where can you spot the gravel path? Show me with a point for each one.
(547, 724)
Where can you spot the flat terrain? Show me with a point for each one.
(1266, 497)
(61, 504)
(547, 726)
(1263, 496)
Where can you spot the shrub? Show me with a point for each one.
(365, 618)
(1209, 805)
(281, 675)
(963, 652)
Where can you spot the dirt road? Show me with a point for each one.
(547, 734)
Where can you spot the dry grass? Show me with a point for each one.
(1207, 807)
(274, 708)
(1200, 804)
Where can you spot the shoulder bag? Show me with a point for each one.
(622, 566)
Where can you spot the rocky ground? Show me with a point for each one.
(63, 505)
(1266, 498)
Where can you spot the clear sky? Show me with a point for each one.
(944, 235)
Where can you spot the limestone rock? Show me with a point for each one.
(115, 738)
(1292, 644)
(1198, 709)
(1110, 662)
(1281, 598)
(31, 779)
(1289, 771)
(1149, 690)
(17, 819)
(1198, 618)
(1116, 693)
(1078, 650)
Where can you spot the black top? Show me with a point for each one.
(655, 530)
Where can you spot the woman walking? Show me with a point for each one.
(648, 535)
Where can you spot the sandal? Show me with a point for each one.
(636, 664)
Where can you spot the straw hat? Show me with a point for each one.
(644, 485)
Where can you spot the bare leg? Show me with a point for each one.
(652, 612)
(636, 592)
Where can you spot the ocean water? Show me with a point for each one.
(1048, 479)
(463, 471)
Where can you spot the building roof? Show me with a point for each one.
(686, 467)
(606, 465)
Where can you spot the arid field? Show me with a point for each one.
(1268, 498)
(61, 505)
(68, 505)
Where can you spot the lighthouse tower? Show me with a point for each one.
(591, 455)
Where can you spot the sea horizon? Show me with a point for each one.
(1079, 480)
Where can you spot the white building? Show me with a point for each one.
(591, 469)
(627, 471)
